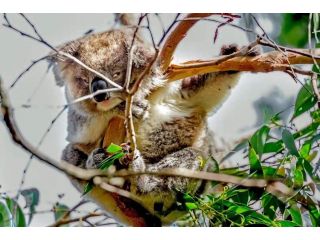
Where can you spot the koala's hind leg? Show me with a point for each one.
(74, 156)
(188, 158)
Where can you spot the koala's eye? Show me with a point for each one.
(117, 75)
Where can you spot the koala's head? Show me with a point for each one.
(106, 53)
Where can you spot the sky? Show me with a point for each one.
(235, 119)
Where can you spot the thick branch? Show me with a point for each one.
(268, 62)
(176, 37)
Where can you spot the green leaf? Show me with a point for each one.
(269, 171)
(298, 178)
(269, 205)
(240, 209)
(188, 198)
(314, 215)
(273, 147)
(105, 164)
(315, 114)
(255, 166)
(60, 211)
(286, 223)
(305, 149)
(241, 196)
(260, 218)
(31, 197)
(87, 187)
(259, 139)
(6, 219)
(289, 143)
(191, 206)
(305, 100)
(310, 129)
(16, 212)
(113, 148)
(307, 167)
(295, 215)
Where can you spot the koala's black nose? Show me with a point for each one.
(99, 84)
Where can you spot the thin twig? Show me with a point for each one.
(77, 219)
(56, 51)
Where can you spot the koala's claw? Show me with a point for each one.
(96, 157)
(229, 49)
(232, 48)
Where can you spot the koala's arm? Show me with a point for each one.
(208, 92)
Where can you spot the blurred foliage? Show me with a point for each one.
(294, 29)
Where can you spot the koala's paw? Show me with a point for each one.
(229, 49)
(96, 157)
(232, 48)
(139, 107)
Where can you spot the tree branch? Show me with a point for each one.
(171, 43)
(268, 62)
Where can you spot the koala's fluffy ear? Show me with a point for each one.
(143, 52)
(59, 63)
(142, 55)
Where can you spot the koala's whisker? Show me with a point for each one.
(89, 96)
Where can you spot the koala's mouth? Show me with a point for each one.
(108, 104)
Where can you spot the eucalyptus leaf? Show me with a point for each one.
(191, 206)
(288, 140)
(259, 139)
(305, 100)
(60, 210)
(87, 188)
(105, 164)
(286, 223)
(113, 148)
(298, 178)
(255, 165)
(305, 149)
(31, 197)
(16, 212)
(295, 215)
(6, 219)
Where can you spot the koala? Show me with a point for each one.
(170, 121)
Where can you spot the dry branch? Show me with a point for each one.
(171, 43)
(268, 62)
(64, 221)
